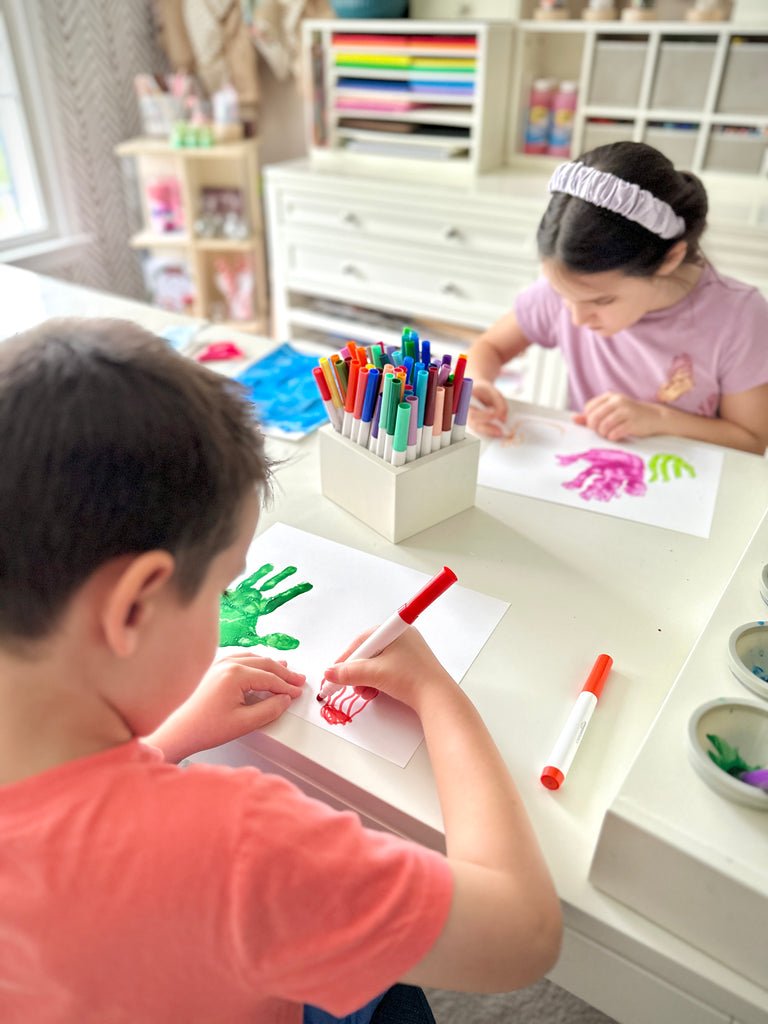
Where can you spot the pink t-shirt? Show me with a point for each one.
(710, 343)
(136, 891)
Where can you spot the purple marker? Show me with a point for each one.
(459, 428)
(411, 451)
(759, 778)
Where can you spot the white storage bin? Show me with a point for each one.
(598, 133)
(745, 80)
(679, 144)
(442, 9)
(730, 151)
(682, 75)
(617, 73)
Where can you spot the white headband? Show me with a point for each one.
(604, 189)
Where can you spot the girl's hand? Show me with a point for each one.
(616, 417)
(225, 705)
(492, 419)
(407, 669)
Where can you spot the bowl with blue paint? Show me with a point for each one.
(748, 656)
(728, 748)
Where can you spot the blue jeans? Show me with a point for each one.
(401, 1004)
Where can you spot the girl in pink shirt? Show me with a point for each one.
(655, 341)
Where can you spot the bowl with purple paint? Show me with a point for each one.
(748, 656)
(728, 748)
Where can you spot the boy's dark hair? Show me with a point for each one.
(588, 239)
(113, 444)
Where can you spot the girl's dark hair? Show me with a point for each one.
(588, 239)
(113, 444)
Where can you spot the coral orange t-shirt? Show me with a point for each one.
(136, 891)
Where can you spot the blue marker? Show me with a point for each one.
(421, 393)
(369, 402)
(425, 353)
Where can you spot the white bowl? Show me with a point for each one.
(743, 724)
(748, 656)
(764, 583)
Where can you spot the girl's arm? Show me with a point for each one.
(485, 359)
(504, 927)
(742, 421)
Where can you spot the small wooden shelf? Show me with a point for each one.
(228, 165)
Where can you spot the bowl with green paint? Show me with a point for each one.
(748, 656)
(727, 738)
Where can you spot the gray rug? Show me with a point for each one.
(542, 1003)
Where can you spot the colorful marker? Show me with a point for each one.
(459, 429)
(564, 751)
(400, 436)
(437, 426)
(397, 624)
(413, 428)
(325, 393)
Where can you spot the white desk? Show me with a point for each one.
(578, 583)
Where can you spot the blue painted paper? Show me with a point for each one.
(285, 394)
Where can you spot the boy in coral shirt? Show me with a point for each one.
(135, 890)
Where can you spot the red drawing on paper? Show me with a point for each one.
(609, 473)
(346, 703)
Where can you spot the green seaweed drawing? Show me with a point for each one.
(661, 464)
(242, 608)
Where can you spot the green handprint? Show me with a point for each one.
(661, 463)
(242, 607)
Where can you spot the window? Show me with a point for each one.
(22, 209)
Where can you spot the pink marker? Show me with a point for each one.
(564, 751)
(397, 624)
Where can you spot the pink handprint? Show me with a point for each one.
(610, 470)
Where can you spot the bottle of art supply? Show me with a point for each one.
(539, 111)
(561, 122)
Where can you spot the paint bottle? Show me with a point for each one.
(539, 110)
(561, 122)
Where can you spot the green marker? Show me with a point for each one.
(400, 440)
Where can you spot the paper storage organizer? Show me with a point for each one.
(398, 501)
(602, 133)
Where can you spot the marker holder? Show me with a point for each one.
(398, 501)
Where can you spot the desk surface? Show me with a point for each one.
(577, 583)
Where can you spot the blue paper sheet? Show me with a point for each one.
(284, 392)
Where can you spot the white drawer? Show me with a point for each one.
(443, 9)
(390, 219)
(426, 287)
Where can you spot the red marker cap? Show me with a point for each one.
(598, 675)
(552, 777)
(428, 593)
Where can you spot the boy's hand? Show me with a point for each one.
(615, 417)
(406, 670)
(490, 420)
(225, 706)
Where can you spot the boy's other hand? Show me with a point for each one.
(240, 692)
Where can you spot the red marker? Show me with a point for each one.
(397, 624)
(568, 742)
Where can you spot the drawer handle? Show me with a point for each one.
(350, 270)
(449, 288)
(452, 234)
(350, 218)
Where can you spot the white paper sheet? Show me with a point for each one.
(351, 592)
(662, 481)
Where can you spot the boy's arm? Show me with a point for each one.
(224, 705)
(485, 359)
(504, 927)
(742, 421)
